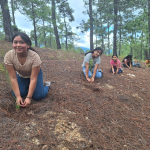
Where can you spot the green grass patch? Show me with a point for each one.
(2, 53)
(2, 67)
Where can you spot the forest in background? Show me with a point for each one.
(127, 20)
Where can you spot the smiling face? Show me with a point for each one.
(19, 45)
(97, 53)
(114, 58)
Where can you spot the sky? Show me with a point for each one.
(78, 6)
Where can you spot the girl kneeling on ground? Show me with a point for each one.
(135, 63)
(91, 63)
(115, 65)
(127, 62)
(24, 69)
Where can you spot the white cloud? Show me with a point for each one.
(23, 22)
(26, 25)
(85, 40)
(78, 7)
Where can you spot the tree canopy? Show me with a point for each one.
(118, 26)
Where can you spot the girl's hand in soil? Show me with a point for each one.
(88, 79)
(92, 79)
(27, 102)
(19, 101)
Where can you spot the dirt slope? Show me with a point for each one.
(111, 113)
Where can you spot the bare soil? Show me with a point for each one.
(113, 113)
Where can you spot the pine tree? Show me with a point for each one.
(84, 26)
(67, 14)
(13, 11)
(30, 8)
(55, 25)
(6, 20)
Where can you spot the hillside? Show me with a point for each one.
(111, 113)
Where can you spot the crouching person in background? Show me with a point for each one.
(147, 62)
(127, 62)
(115, 65)
(91, 63)
(135, 63)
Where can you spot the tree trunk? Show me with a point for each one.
(50, 40)
(91, 25)
(101, 25)
(103, 47)
(149, 24)
(131, 52)
(33, 18)
(13, 13)
(96, 26)
(115, 28)
(131, 49)
(66, 42)
(141, 46)
(44, 33)
(120, 42)
(96, 40)
(6, 20)
(146, 50)
(55, 26)
(108, 41)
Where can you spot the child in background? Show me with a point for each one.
(135, 63)
(127, 62)
(115, 65)
(91, 63)
(147, 62)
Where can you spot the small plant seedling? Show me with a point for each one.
(91, 65)
(17, 106)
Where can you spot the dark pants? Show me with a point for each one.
(40, 91)
(115, 69)
(127, 64)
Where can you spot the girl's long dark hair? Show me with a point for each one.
(129, 56)
(96, 49)
(114, 55)
(24, 37)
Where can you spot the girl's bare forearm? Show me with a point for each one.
(15, 87)
(32, 87)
